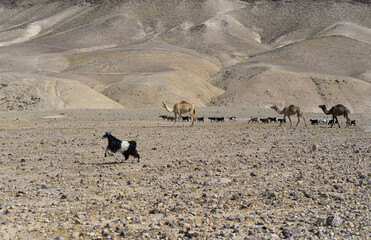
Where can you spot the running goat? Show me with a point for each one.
(127, 148)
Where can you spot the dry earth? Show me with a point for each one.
(229, 180)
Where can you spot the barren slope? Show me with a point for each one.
(138, 53)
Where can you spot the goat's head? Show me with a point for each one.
(106, 134)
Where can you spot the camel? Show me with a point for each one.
(336, 111)
(181, 108)
(289, 111)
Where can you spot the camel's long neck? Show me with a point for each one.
(167, 108)
(325, 111)
(278, 111)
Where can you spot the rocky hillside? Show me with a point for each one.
(118, 54)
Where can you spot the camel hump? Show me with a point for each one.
(184, 102)
(341, 106)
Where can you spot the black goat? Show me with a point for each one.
(127, 148)
(353, 123)
(201, 119)
(282, 120)
(331, 121)
(220, 119)
(212, 119)
(264, 120)
(314, 121)
(164, 117)
(187, 118)
(272, 119)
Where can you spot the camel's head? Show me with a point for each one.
(274, 106)
(164, 103)
(322, 107)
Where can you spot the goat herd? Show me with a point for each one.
(321, 121)
(198, 119)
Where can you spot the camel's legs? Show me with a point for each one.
(180, 117)
(337, 120)
(175, 114)
(175, 118)
(298, 120)
(303, 120)
(290, 121)
(333, 121)
(193, 121)
(348, 121)
(193, 118)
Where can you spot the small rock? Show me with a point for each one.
(321, 222)
(320, 234)
(274, 237)
(58, 238)
(78, 221)
(155, 211)
(314, 147)
(105, 233)
(334, 221)
(286, 232)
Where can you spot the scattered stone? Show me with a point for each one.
(334, 221)
(105, 233)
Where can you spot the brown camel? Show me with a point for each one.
(336, 111)
(181, 108)
(253, 120)
(289, 111)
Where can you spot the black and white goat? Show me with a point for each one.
(127, 148)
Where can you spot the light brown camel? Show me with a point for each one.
(253, 120)
(181, 108)
(336, 111)
(289, 111)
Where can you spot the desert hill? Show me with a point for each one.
(125, 54)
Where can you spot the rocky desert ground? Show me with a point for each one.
(231, 180)
(72, 69)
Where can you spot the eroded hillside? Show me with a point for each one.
(139, 53)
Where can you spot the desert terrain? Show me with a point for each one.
(71, 70)
(231, 180)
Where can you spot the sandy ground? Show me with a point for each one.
(229, 180)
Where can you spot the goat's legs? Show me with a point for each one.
(108, 151)
(136, 155)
